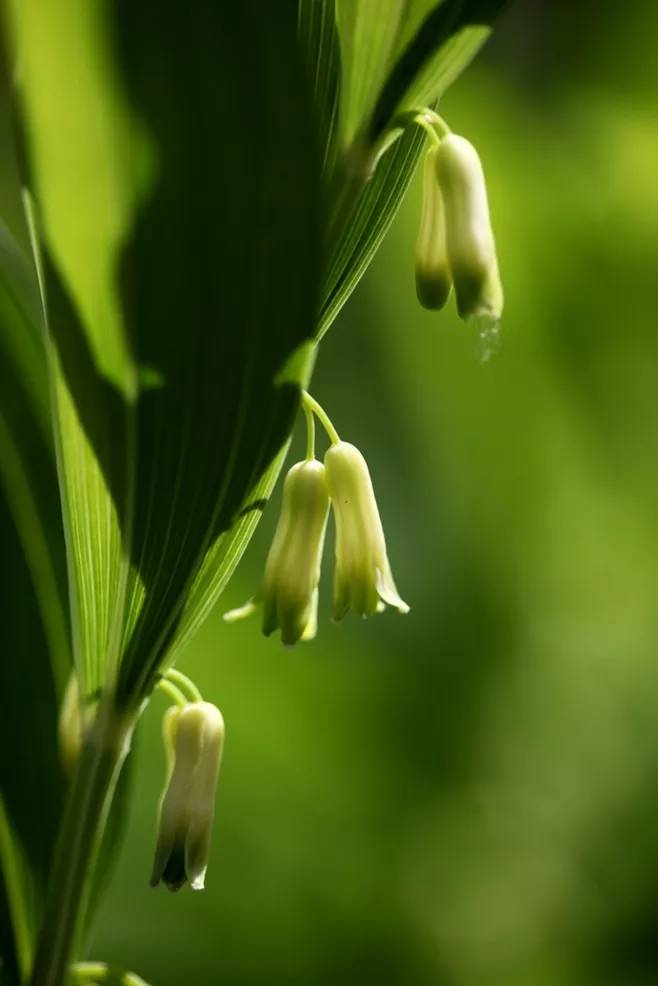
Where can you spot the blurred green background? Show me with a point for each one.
(468, 795)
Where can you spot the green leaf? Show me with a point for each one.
(318, 38)
(439, 50)
(401, 53)
(27, 471)
(368, 32)
(30, 773)
(184, 282)
(33, 603)
(374, 209)
(16, 933)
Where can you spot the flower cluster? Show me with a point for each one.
(363, 579)
(455, 249)
(455, 244)
(194, 730)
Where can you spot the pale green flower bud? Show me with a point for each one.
(470, 240)
(194, 740)
(69, 727)
(289, 592)
(433, 280)
(74, 721)
(363, 580)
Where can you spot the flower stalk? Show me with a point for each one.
(310, 404)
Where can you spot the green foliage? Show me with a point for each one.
(162, 442)
(469, 795)
(126, 269)
(33, 594)
(201, 205)
(399, 54)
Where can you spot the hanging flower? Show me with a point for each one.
(469, 236)
(363, 580)
(433, 280)
(289, 592)
(194, 740)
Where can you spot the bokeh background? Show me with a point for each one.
(469, 794)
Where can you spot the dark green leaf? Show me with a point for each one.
(368, 32)
(318, 37)
(374, 211)
(27, 470)
(33, 607)
(443, 45)
(177, 288)
(30, 773)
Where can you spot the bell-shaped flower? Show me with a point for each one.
(363, 580)
(194, 740)
(469, 236)
(289, 591)
(433, 279)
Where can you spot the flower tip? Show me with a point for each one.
(432, 292)
(199, 882)
(241, 612)
(480, 296)
(341, 607)
(388, 592)
(398, 604)
(292, 628)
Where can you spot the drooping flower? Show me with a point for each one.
(289, 591)
(433, 280)
(194, 740)
(469, 236)
(363, 580)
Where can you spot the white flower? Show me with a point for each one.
(363, 580)
(433, 279)
(289, 592)
(469, 237)
(194, 740)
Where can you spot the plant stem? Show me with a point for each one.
(432, 117)
(81, 829)
(321, 415)
(186, 684)
(428, 128)
(310, 432)
(172, 692)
